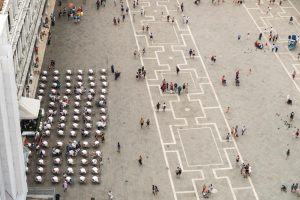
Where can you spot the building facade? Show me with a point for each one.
(24, 21)
(12, 165)
(20, 24)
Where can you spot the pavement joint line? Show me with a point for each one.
(214, 107)
(172, 134)
(195, 187)
(173, 113)
(149, 58)
(157, 4)
(216, 128)
(186, 159)
(176, 35)
(155, 117)
(164, 43)
(223, 168)
(265, 23)
(242, 188)
(185, 192)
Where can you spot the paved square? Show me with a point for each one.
(199, 146)
(159, 34)
(186, 108)
(194, 125)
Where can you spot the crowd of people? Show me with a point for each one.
(207, 191)
(173, 88)
(73, 13)
(141, 73)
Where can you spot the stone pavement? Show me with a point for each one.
(191, 132)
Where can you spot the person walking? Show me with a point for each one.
(157, 106)
(151, 36)
(177, 70)
(49, 40)
(148, 123)
(227, 137)
(297, 133)
(243, 130)
(237, 159)
(156, 189)
(294, 75)
(110, 195)
(292, 116)
(175, 87)
(65, 186)
(164, 106)
(287, 153)
(140, 160)
(187, 19)
(291, 20)
(119, 147)
(179, 89)
(213, 59)
(260, 36)
(178, 171)
(112, 67)
(191, 53)
(227, 110)
(236, 132)
(237, 74)
(153, 189)
(142, 122)
(292, 187)
(52, 19)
